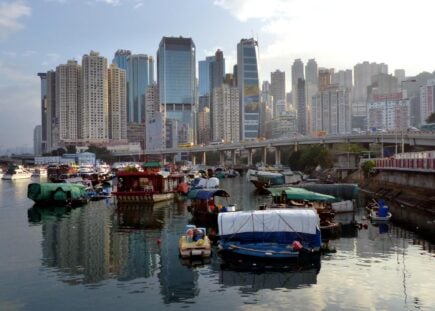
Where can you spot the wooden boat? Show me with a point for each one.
(194, 243)
(378, 211)
(145, 187)
(206, 204)
(281, 235)
(57, 194)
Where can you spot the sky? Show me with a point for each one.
(38, 35)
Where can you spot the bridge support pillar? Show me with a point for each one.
(204, 158)
(233, 157)
(296, 147)
(277, 155)
(264, 157)
(174, 158)
(193, 157)
(249, 157)
(221, 158)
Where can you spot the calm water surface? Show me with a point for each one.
(100, 257)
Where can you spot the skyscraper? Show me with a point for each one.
(204, 76)
(217, 70)
(249, 89)
(140, 69)
(52, 113)
(343, 78)
(301, 107)
(117, 103)
(277, 88)
(37, 140)
(43, 76)
(311, 72)
(177, 83)
(68, 98)
(95, 112)
(297, 73)
(226, 118)
(120, 59)
(363, 73)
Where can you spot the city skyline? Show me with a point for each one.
(38, 36)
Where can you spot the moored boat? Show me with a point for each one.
(145, 187)
(194, 243)
(280, 235)
(57, 194)
(17, 172)
(379, 211)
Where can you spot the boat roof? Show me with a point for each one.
(293, 193)
(303, 220)
(153, 164)
(205, 194)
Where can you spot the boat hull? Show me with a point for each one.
(265, 252)
(16, 176)
(142, 197)
(194, 249)
(374, 217)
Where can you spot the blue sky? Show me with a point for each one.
(38, 35)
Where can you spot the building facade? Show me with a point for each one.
(297, 73)
(226, 126)
(37, 140)
(388, 112)
(427, 100)
(44, 123)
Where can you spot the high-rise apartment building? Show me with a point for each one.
(95, 108)
(68, 99)
(311, 72)
(277, 88)
(331, 111)
(249, 89)
(302, 114)
(140, 69)
(343, 78)
(427, 100)
(176, 78)
(37, 140)
(400, 75)
(204, 126)
(363, 73)
(226, 118)
(267, 110)
(297, 73)
(388, 112)
(217, 70)
(117, 103)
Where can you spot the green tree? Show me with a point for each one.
(309, 158)
(367, 167)
(101, 153)
(431, 118)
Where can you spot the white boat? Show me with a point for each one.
(17, 172)
(375, 217)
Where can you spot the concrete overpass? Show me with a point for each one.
(399, 139)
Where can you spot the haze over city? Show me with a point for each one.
(37, 36)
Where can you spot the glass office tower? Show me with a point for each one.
(247, 79)
(176, 79)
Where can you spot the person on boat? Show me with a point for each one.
(197, 234)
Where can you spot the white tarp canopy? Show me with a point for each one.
(277, 220)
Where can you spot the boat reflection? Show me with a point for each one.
(37, 214)
(252, 278)
(139, 217)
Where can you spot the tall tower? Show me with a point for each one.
(297, 73)
(43, 76)
(52, 113)
(117, 103)
(249, 89)
(176, 77)
(120, 59)
(311, 72)
(95, 110)
(140, 69)
(277, 88)
(68, 97)
(204, 76)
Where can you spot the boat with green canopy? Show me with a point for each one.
(57, 194)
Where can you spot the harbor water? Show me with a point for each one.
(102, 257)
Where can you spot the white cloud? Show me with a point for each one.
(10, 13)
(12, 74)
(111, 2)
(339, 33)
